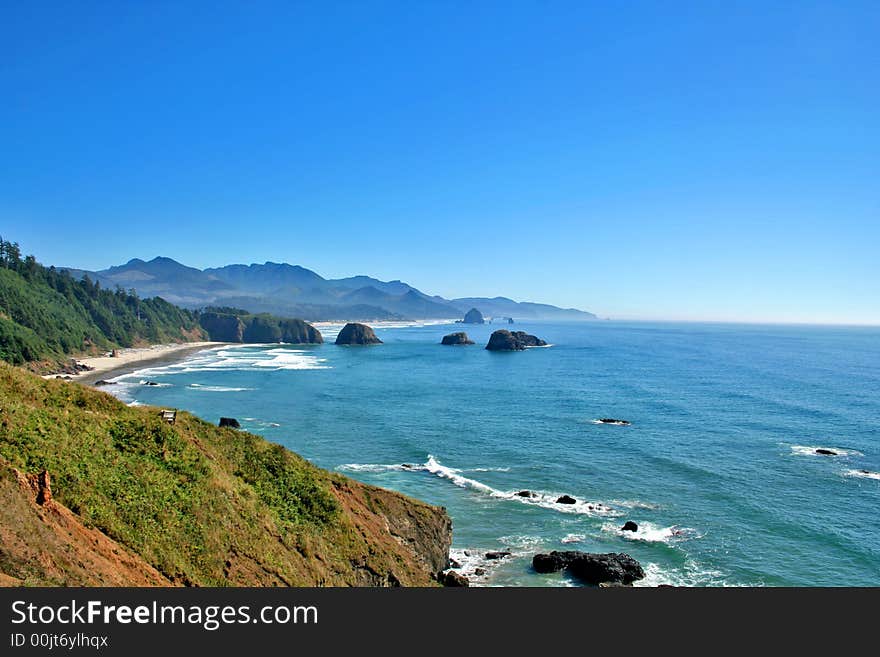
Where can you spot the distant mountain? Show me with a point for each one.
(293, 291)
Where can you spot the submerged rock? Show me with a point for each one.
(473, 316)
(526, 493)
(354, 333)
(611, 420)
(229, 422)
(566, 499)
(150, 383)
(591, 568)
(826, 452)
(456, 338)
(629, 526)
(504, 340)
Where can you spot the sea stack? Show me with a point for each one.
(354, 333)
(504, 340)
(456, 338)
(474, 316)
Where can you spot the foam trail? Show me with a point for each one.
(651, 533)
(865, 474)
(806, 450)
(546, 500)
(197, 386)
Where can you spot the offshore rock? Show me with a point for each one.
(357, 334)
(456, 338)
(504, 340)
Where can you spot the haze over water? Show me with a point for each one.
(718, 467)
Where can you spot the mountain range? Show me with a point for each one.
(294, 291)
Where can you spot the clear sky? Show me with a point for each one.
(706, 160)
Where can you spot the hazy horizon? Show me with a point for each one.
(686, 163)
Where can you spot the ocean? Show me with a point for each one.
(718, 467)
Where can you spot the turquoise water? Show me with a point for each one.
(718, 467)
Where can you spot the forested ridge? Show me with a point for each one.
(47, 314)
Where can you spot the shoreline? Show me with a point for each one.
(131, 360)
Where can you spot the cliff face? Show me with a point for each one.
(130, 500)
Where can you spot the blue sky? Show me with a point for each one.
(707, 160)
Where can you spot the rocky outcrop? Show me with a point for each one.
(526, 493)
(230, 422)
(229, 327)
(473, 316)
(566, 499)
(296, 331)
(454, 579)
(222, 328)
(629, 526)
(357, 334)
(504, 340)
(456, 338)
(591, 568)
(826, 452)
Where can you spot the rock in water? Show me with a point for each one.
(826, 452)
(566, 499)
(591, 568)
(629, 526)
(229, 422)
(456, 338)
(504, 340)
(474, 316)
(497, 555)
(611, 420)
(526, 493)
(354, 333)
(452, 578)
(554, 562)
(602, 568)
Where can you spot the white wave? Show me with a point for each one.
(573, 538)
(198, 386)
(651, 533)
(865, 474)
(690, 575)
(371, 467)
(487, 470)
(546, 500)
(806, 450)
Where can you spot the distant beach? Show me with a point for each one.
(129, 360)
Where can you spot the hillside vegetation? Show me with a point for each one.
(45, 314)
(136, 500)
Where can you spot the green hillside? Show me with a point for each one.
(46, 314)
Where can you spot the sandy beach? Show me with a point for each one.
(129, 360)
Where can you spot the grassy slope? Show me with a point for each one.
(210, 506)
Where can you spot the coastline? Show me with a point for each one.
(130, 360)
